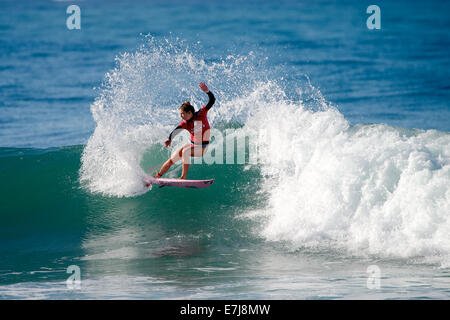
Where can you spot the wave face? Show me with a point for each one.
(365, 189)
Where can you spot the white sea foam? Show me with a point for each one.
(137, 108)
(367, 189)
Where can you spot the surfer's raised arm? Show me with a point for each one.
(212, 99)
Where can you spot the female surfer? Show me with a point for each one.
(196, 122)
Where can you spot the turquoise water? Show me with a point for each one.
(173, 244)
(352, 169)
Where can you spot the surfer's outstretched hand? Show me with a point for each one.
(203, 86)
(167, 143)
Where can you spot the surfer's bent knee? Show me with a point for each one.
(187, 151)
(176, 156)
(197, 151)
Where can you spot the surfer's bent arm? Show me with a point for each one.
(175, 132)
(211, 101)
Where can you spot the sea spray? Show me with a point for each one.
(137, 107)
(364, 189)
(367, 189)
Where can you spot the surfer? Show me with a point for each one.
(196, 122)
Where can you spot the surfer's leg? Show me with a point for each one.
(166, 166)
(176, 156)
(188, 152)
(186, 156)
(197, 151)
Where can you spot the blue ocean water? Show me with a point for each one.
(355, 174)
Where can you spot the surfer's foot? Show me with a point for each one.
(182, 178)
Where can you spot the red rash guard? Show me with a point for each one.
(198, 137)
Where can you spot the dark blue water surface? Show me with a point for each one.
(182, 243)
(396, 75)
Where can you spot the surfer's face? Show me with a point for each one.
(186, 115)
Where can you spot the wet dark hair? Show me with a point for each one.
(187, 107)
